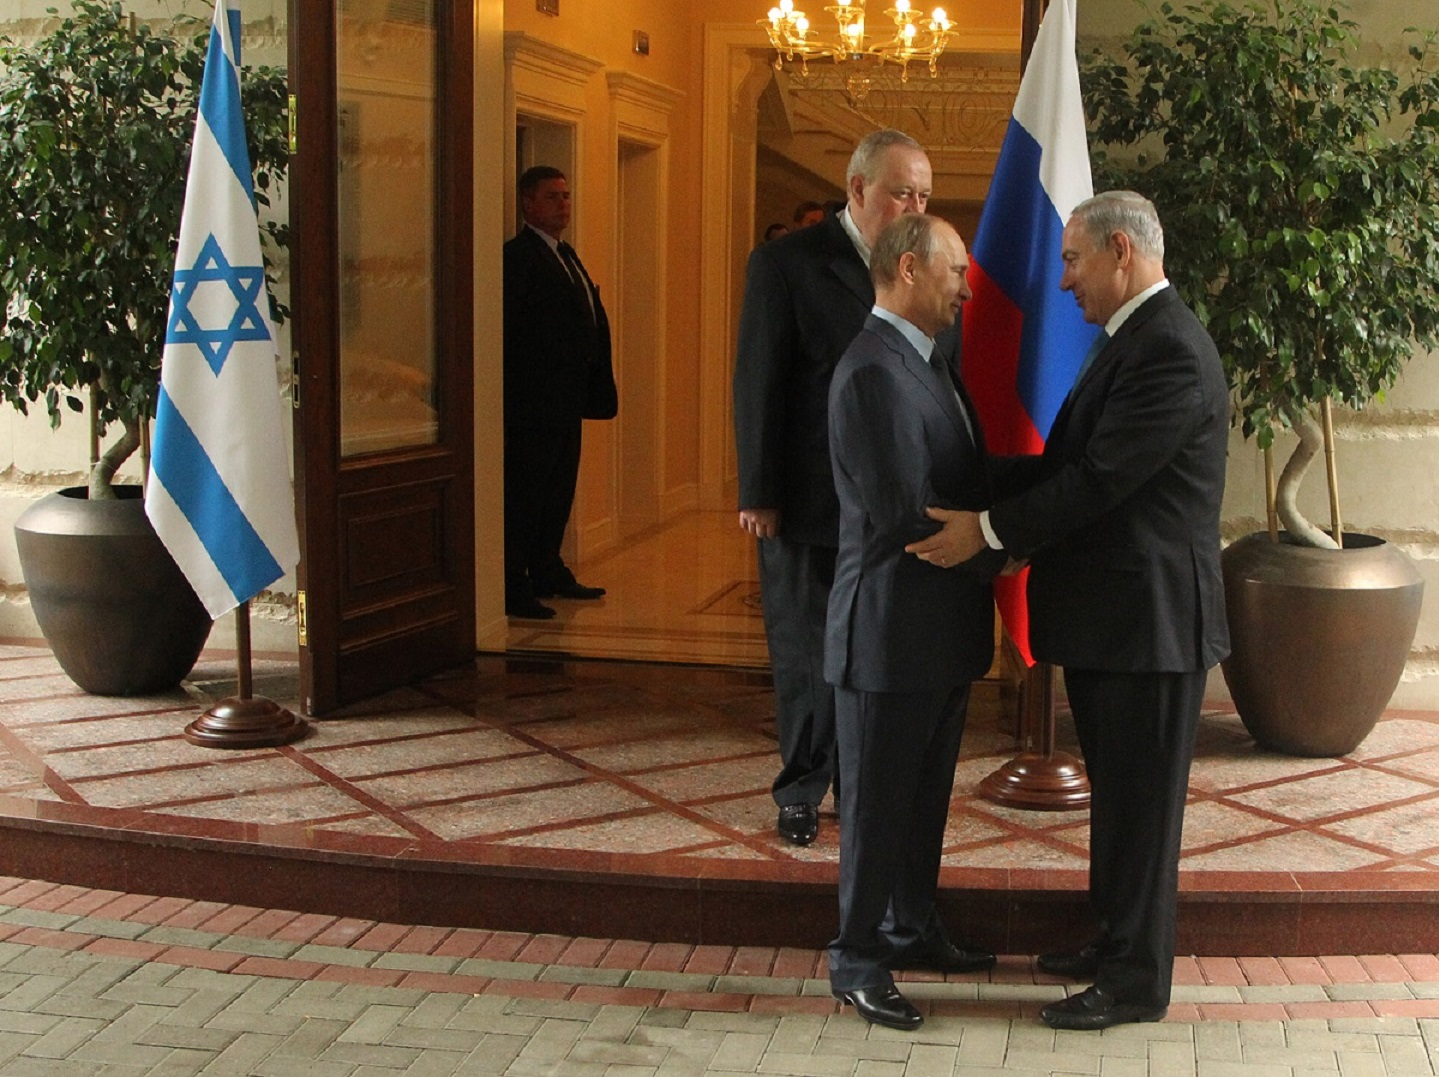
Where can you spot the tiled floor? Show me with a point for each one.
(658, 776)
(548, 866)
(667, 761)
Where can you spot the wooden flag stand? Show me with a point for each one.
(243, 720)
(1039, 778)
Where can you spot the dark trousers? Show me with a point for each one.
(897, 753)
(1137, 733)
(541, 467)
(795, 579)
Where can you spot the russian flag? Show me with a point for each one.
(1023, 338)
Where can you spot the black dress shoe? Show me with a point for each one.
(1079, 964)
(528, 607)
(946, 957)
(571, 588)
(1095, 1008)
(883, 1006)
(798, 823)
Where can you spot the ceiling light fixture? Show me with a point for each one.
(916, 37)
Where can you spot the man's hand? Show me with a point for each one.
(761, 523)
(958, 540)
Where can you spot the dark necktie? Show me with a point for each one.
(577, 276)
(947, 380)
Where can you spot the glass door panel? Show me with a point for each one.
(387, 98)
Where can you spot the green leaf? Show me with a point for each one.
(95, 128)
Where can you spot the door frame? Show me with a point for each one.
(359, 633)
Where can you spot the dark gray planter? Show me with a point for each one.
(117, 612)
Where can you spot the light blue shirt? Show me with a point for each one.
(911, 332)
(925, 346)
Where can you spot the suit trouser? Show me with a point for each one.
(795, 579)
(542, 465)
(897, 753)
(1137, 732)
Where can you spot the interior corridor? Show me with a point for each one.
(686, 591)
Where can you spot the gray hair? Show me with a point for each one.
(912, 232)
(1123, 211)
(865, 161)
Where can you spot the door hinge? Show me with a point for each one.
(300, 621)
(295, 378)
(294, 139)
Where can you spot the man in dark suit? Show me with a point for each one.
(556, 331)
(1119, 518)
(905, 638)
(806, 297)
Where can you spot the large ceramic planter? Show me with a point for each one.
(1319, 638)
(117, 612)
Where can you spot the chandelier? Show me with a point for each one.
(915, 37)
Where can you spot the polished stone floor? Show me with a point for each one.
(631, 759)
(660, 774)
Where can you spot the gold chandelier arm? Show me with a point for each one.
(916, 37)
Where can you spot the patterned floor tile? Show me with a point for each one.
(1328, 795)
(1299, 851)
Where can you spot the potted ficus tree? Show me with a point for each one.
(1299, 189)
(96, 121)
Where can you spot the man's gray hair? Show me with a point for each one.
(865, 161)
(1123, 211)
(916, 232)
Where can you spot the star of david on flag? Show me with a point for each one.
(219, 494)
(1026, 337)
(244, 285)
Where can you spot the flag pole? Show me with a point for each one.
(245, 720)
(219, 495)
(1040, 777)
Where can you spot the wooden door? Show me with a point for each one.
(381, 264)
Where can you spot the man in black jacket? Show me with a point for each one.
(1119, 519)
(556, 331)
(807, 295)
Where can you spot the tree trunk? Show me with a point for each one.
(109, 463)
(1311, 441)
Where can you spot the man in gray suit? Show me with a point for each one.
(1120, 520)
(904, 637)
(806, 296)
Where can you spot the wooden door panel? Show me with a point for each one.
(383, 332)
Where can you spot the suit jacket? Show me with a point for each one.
(899, 444)
(1120, 518)
(807, 296)
(550, 341)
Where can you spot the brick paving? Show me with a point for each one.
(99, 982)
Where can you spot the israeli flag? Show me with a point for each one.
(219, 493)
